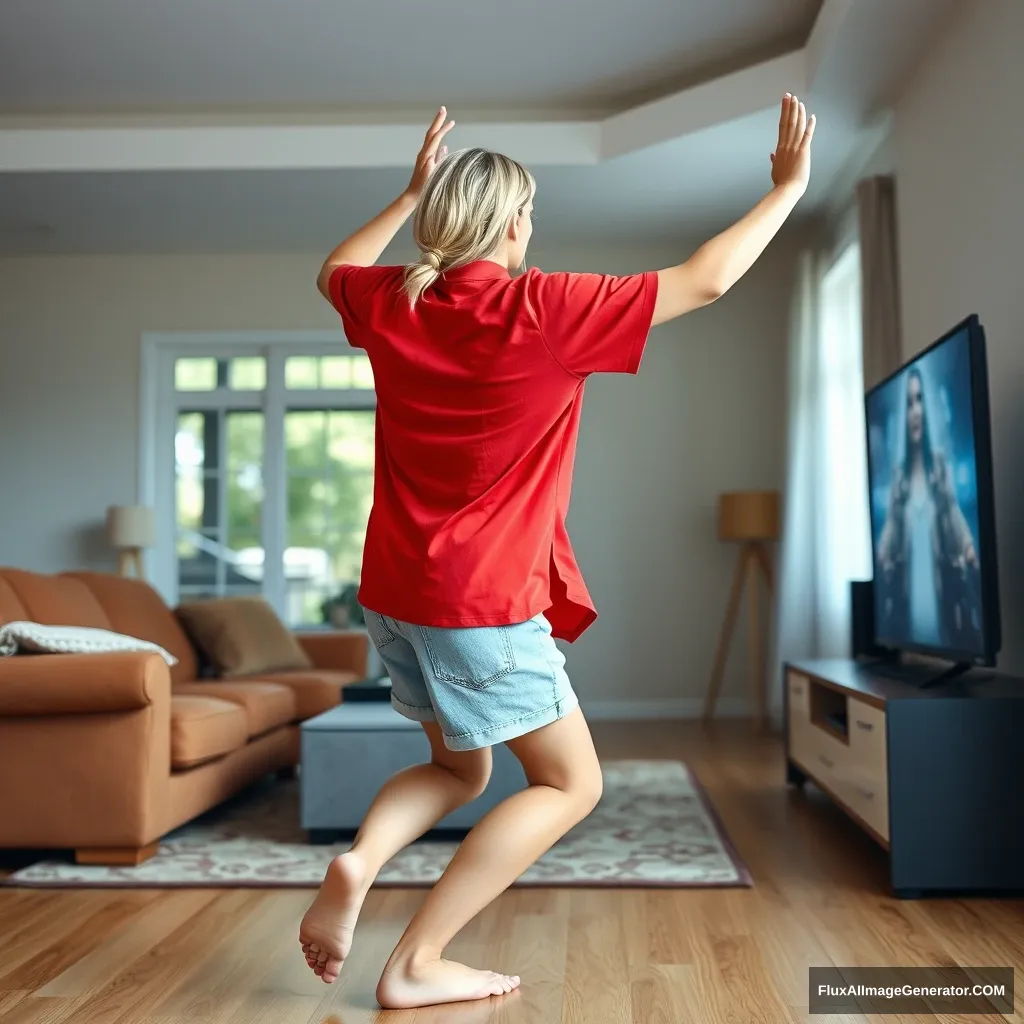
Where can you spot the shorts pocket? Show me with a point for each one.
(473, 657)
(378, 629)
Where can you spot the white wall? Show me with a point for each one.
(958, 140)
(706, 414)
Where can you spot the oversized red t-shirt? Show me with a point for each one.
(479, 393)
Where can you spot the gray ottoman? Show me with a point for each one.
(351, 750)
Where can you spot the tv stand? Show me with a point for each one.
(934, 774)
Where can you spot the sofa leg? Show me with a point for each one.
(117, 856)
(287, 772)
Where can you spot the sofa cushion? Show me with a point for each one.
(11, 608)
(315, 691)
(56, 600)
(205, 728)
(136, 609)
(266, 705)
(242, 636)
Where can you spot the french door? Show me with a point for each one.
(263, 470)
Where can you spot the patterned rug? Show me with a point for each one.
(653, 828)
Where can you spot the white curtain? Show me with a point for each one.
(826, 540)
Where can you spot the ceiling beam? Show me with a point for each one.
(725, 99)
(276, 147)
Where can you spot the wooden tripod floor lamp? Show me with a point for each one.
(750, 519)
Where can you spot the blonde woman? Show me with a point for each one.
(468, 573)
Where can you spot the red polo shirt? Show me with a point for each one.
(479, 393)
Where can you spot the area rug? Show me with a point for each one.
(653, 828)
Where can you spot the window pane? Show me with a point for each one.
(245, 482)
(350, 441)
(301, 372)
(195, 374)
(336, 372)
(219, 496)
(362, 373)
(330, 489)
(188, 457)
(248, 373)
(305, 454)
(304, 439)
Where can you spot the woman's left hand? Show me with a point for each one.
(431, 154)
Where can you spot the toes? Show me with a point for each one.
(332, 969)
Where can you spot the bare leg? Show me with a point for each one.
(409, 804)
(564, 778)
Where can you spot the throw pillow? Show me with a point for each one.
(242, 636)
(35, 638)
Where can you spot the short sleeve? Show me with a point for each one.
(595, 323)
(359, 294)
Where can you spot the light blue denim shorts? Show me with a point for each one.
(482, 685)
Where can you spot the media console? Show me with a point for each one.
(935, 775)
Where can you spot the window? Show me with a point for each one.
(843, 519)
(262, 468)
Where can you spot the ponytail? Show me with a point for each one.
(419, 276)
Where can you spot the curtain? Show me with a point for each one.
(795, 632)
(826, 539)
(876, 222)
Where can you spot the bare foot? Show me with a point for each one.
(326, 931)
(404, 984)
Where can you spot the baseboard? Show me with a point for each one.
(642, 708)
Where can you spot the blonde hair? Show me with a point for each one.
(464, 213)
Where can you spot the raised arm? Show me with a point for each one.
(719, 263)
(364, 248)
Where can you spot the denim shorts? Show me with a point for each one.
(482, 685)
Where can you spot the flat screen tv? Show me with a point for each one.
(936, 589)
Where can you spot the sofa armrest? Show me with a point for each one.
(66, 684)
(337, 650)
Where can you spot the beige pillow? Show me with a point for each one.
(242, 636)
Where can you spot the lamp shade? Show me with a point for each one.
(748, 516)
(130, 526)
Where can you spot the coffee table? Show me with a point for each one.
(348, 753)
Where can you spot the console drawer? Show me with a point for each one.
(866, 725)
(799, 695)
(868, 798)
(823, 756)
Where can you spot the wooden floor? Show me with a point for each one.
(585, 957)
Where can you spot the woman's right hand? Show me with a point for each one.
(791, 161)
(431, 154)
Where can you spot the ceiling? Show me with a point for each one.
(537, 55)
(673, 168)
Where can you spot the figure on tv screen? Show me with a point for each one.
(927, 556)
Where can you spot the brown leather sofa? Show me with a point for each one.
(106, 753)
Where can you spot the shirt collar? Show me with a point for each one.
(478, 270)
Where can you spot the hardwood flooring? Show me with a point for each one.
(586, 956)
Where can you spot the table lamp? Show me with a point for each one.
(131, 529)
(751, 520)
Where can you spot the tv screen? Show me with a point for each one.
(932, 518)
